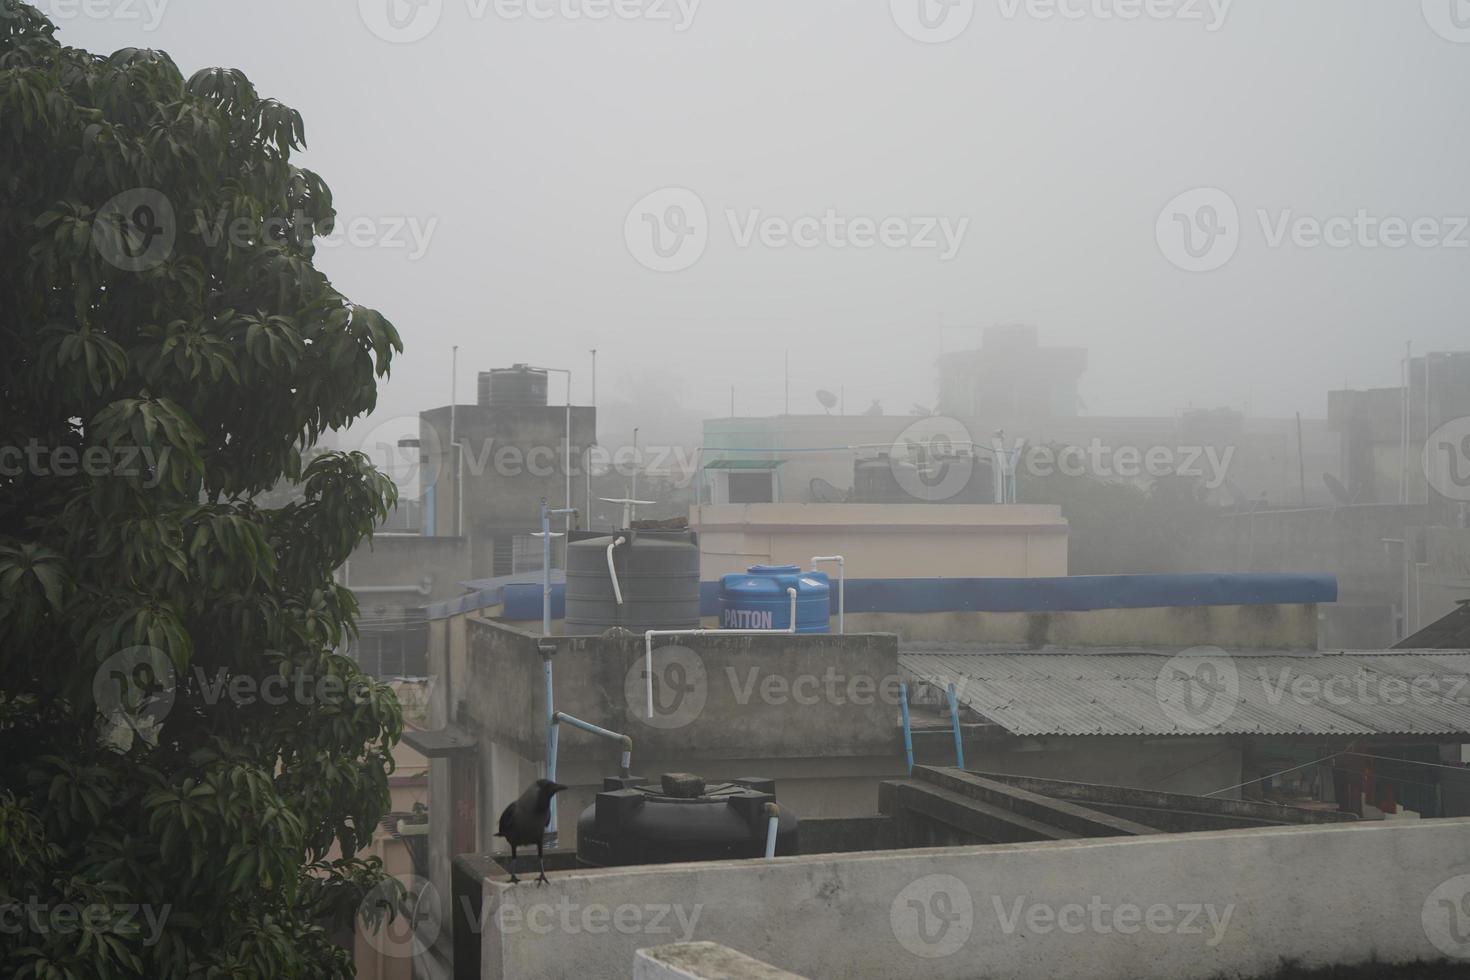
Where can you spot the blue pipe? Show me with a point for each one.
(625, 763)
(551, 744)
(908, 728)
(954, 717)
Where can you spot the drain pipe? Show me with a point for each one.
(625, 763)
(648, 643)
(908, 728)
(954, 717)
(546, 535)
(548, 649)
(612, 570)
(773, 813)
(841, 586)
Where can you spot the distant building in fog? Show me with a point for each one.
(1011, 376)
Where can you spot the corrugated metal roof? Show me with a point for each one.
(1451, 632)
(1208, 691)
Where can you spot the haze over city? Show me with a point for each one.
(520, 145)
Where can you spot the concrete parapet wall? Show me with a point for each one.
(1172, 907)
(702, 961)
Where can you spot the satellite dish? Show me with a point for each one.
(825, 493)
(828, 400)
(1339, 492)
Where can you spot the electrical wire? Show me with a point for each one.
(1279, 773)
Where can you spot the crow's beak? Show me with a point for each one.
(556, 788)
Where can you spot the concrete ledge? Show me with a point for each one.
(1159, 907)
(702, 961)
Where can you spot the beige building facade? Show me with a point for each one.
(886, 540)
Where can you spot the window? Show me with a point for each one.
(753, 487)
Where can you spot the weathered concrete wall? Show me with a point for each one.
(816, 713)
(1444, 579)
(702, 961)
(512, 458)
(1172, 907)
(408, 560)
(1179, 764)
(1254, 627)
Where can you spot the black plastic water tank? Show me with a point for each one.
(658, 572)
(681, 819)
(521, 386)
(884, 480)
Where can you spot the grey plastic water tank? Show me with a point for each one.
(657, 570)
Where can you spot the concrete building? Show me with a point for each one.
(481, 488)
(1384, 430)
(888, 540)
(763, 704)
(1378, 899)
(1240, 461)
(507, 460)
(1011, 376)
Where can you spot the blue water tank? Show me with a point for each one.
(756, 599)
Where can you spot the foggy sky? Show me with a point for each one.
(1060, 140)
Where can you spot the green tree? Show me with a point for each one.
(170, 353)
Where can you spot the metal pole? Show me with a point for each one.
(551, 741)
(1406, 376)
(954, 717)
(1301, 461)
(545, 569)
(908, 730)
(1428, 424)
(634, 494)
(453, 443)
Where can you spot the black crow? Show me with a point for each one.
(524, 822)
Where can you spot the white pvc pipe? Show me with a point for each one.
(648, 644)
(612, 570)
(841, 586)
(771, 826)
